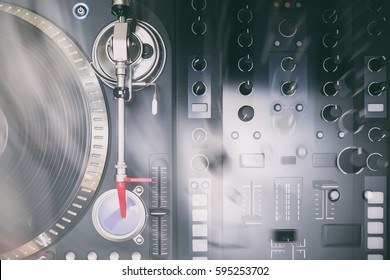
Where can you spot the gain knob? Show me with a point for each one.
(245, 15)
(376, 64)
(246, 113)
(376, 134)
(376, 89)
(352, 160)
(331, 64)
(198, 5)
(331, 88)
(199, 27)
(330, 40)
(376, 162)
(289, 88)
(288, 28)
(331, 113)
(246, 88)
(329, 16)
(288, 64)
(199, 88)
(376, 27)
(245, 39)
(245, 64)
(199, 64)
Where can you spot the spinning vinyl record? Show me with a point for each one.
(53, 133)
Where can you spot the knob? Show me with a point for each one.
(245, 15)
(376, 134)
(289, 88)
(246, 88)
(331, 88)
(352, 160)
(199, 64)
(334, 195)
(331, 113)
(245, 39)
(329, 16)
(331, 64)
(352, 121)
(375, 5)
(199, 27)
(198, 5)
(288, 64)
(288, 28)
(246, 113)
(330, 40)
(376, 64)
(245, 64)
(376, 89)
(199, 88)
(376, 162)
(376, 27)
(199, 163)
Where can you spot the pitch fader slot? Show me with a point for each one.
(160, 205)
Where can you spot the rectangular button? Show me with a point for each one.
(374, 228)
(374, 243)
(288, 160)
(376, 198)
(199, 215)
(374, 257)
(324, 160)
(252, 160)
(200, 107)
(199, 230)
(375, 108)
(341, 235)
(199, 200)
(199, 245)
(375, 212)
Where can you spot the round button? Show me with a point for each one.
(80, 11)
(246, 88)
(329, 16)
(331, 113)
(289, 88)
(245, 15)
(376, 89)
(136, 256)
(320, 134)
(199, 5)
(92, 256)
(277, 107)
(352, 160)
(246, 113)
(199, 64)
(199, 27)
(199, 163)
(199, 88)
(257, 135)
(331, 64)
(235, 135)
(245, 64)
(376, 134)
(331, 88)
(302, 151)
(70, 256)
(245, 39)
(334, 195)
(288, 64)
(107, 219)
(299, 107)
(114, 256)
(288, 28)
(376, 64)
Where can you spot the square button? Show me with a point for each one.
(376, 198)
(375, 212)
(199, 215)
(374, 243)
(374, 228)
(199, 245)
(199, 230)
(199, 200)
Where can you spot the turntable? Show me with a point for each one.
(194, 129)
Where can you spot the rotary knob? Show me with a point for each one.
(199, 163)
(331, 64)
(331, 88)
(245, 64)
(376, 89)
(246, 113)
(199, 88)
(289, 88)
(288, 64)
(199, 27)
(245, 39)
(198, 5)
(352, 160)
(329, 16)
(199, 64)
(330, 40)
(376, 27)
(288, 28)
(331, 113)
(376, 162)
(246, 88)
(376, 134)
(376, 64)
(245, 15)
(375, 5)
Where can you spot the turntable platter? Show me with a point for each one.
(53, 133)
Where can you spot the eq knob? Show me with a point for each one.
(376, 64)
(288, 28)
(376, 162)
(246, 113)
(329, 16)
(376, 89)
(245, 39)
(246, 88)
(199, 27)
(289, 88)
(352, 160)
(199, 64)
(331, 88)
(245, 15)
(199, 88)
(245, 64)
(376, 27)
(376, 134)
(331, 64)
(330, 40)
(288, 64)
(331, 113)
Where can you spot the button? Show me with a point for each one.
(374, 257)
(252, 160)
(334, 195)
(199, 200)
(92, 256)
(114, 256)
(199, 245)
(70, 256)
(199, 215)
(80, 11)
(375, 228)
(199, 230)
(375, 212)
(136, 256)
(375, 108)
(374, 197)
(375, 243)
(200, 107)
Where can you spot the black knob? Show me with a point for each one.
(199, 27)
(198, 5)
(331, 64)
(377, 162)
(331, 113)
(245, 15)
(288, 28)
(376, 27)
(199, 64)
(199, 88)
(352, 160)
(377, 63)
(329, 16)
(376, 89)
(331, 88)
(246, 88)
(288, 64)
(289, 88)
(330, 40)
(376, 134)
(246, 113)
(245, 39)
(375, 5)
(245, 64)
